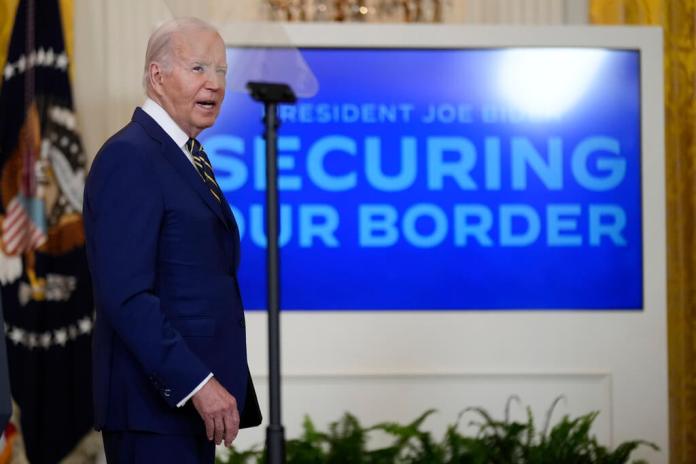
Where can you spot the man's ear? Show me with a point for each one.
(156, 76)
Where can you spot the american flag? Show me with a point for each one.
(44, 280)
(21, 232)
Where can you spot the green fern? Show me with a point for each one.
(496, 442)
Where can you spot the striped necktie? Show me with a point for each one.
(202, 164)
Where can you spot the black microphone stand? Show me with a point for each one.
(271, 95)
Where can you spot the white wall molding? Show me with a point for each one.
(401, 396)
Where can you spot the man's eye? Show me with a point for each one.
(197, 68)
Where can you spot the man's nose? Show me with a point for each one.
(214, 81)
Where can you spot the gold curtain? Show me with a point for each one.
(678, 19)
(7, 16)
(8, 8)
(67, 17)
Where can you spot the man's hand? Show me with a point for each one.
(219, 412)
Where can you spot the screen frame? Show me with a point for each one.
(646, 40)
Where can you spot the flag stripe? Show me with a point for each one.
(15, 230)
(19, 231)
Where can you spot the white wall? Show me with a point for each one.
(393, 366)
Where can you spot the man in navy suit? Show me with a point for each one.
(170, 366)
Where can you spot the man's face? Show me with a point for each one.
(192, 91)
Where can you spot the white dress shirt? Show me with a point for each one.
(168, 125)
(162, 118)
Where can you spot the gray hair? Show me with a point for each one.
(159, 48)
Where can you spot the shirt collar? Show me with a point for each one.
(162, 118)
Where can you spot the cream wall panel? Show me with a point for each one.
(545, 12)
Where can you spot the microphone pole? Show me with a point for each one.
(271, 95)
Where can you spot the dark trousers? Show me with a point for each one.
(150, 448)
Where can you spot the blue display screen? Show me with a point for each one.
(450, 179)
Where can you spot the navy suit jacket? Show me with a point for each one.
(163, 254)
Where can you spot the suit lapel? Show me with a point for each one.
(182, 165)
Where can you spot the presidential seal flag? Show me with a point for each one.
(46, 291)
